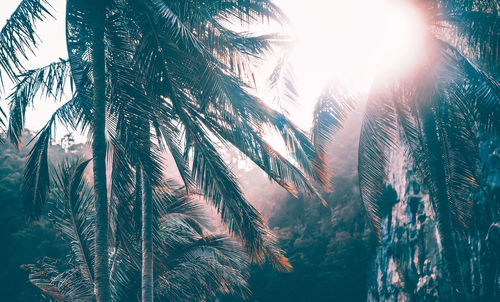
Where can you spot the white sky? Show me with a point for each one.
(341, 40)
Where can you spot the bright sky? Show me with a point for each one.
(351, 42)
(337, 40)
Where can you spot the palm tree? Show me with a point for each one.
(191, 264)
(18, 38)
(189, 88)
(184, 53)
(97, 21)
(178, 69)
(439, 113)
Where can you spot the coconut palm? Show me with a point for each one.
(19, 38)
(179, 71)
(185, 119)
(192, 93)
(95, 13)
(438, 113)
(191, 263)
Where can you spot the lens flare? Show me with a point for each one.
(353, 40)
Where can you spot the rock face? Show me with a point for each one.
(408, 265)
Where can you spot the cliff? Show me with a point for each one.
(408, 264)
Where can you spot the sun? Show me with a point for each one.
(353, 40)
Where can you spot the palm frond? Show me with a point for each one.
(35, 187)
(73, 214)
(177, 30)
(47, 81)
(330, 113)
(2, 122)
(182, 249)
(173, 140)
(18, 37)
(211, 262)
(282, 83)
(435, 169)
(220, 187)
(378, 136)
(301, 149)
(78, 33)
(121, 274)
(42, 275)
(36, 174)
(447, 158)
(478, 35)
(231, 11)
(123, 184)
(251, 144)
(481, 92)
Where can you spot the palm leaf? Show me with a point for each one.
(73, 213)
(36, 174)
(46, 81)
(481, 92)
(18, 36)
(42, 276)
(478, 35)
(35, 187)
(378, 136)
(330, 113)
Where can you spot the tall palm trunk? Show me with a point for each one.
(147, 229)
(99, 154)
(138, 201)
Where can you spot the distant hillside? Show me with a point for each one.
(22, 243)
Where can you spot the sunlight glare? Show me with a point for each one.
(353, 40)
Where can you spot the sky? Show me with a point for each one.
(336, 41)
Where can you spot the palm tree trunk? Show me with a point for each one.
(99, 155)
(138, 201)
(147, 231)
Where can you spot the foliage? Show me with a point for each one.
(178, 75)
(190, 264)
(437, 112)
(22, 243)
(328, 247)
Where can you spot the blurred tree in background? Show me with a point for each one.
(23, 243)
